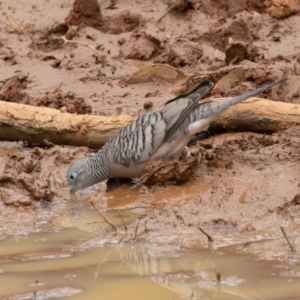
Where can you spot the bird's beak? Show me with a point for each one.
(72, 190)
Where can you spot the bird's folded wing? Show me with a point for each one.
(193, 98)
(139, 140)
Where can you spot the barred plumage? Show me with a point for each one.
(157, 134)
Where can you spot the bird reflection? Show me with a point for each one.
(188, 275)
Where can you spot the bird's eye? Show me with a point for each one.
(72, 176)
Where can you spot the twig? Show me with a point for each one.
(207, 258)
(16, 25)
(105, 257)
(170, 8)
(165, 30)
(122, 220)
(122, 238)
(292, 249)
(136, 229)
(101, 262)
(192, 295)
(295, 70)
(210, 239)
(247, 244)
(66, 41)
(58, 88)
(124, 227)
(103, 216)
(218, 276)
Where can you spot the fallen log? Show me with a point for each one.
(37, 124)
(42, 124)
(258, 115)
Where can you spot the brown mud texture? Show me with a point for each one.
(241, 187)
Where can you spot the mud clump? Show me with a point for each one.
(73, 103)
(13, 90)
(139, 46)
(88, 13)
(18, 185)
(245, 27)
(180, 54)
(174, 170)
(85, 13)
(238, 52)
(180, 5)
(281, 9)
(219, 7)
(257, 5)
(31, 175)
(124, 21)
(290, 209)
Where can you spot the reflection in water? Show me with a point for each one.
(190, 278)
(188, 274)
(131, 271)
(92, 220)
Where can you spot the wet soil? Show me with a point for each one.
(239, 187)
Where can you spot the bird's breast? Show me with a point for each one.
(131, 172)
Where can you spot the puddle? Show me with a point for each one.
(44, 266)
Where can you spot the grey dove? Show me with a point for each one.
(164, 131)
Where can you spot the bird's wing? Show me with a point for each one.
(139, 140)
(189, 101)
(200, 116)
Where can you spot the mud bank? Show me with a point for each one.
(240, 187)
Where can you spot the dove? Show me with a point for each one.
(158, 134)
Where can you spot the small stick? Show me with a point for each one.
(218, 276)
(206, 259)
(66, 41)
(170, 8)
(122, 238)
(292, 249)
(192, 295)
(247, 244)
(122, 220)
(124, 227)
(136, 229)
(105, 257)
(57, 89)
(295, 70)
(165, 30)
(101, 262)
(210, 239)
(19, 28)
(103, 216)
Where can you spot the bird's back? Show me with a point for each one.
(138, 141)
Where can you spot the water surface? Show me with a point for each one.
(43, 266)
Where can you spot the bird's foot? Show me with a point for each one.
(186, 152)
(136, 182)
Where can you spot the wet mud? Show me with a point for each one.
(239, 187)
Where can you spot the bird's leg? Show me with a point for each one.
(186, 152)
(136, 182)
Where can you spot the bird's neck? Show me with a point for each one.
(100, 166)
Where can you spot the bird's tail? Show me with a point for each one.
(220, 106)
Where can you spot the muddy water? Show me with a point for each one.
(43, 265)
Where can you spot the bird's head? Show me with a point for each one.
(78, 176)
